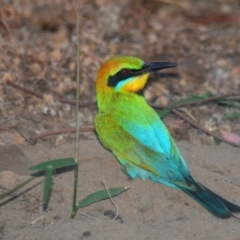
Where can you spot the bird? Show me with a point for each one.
(132, 130)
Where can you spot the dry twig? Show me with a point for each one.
(60, 131)
(202, 129)
(41, 95)
(105, 186)
(197, 102)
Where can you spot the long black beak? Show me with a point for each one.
(155, 66)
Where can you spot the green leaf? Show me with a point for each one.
(163, 112)
(232, 115)
(6, 194)
(227, 102)
(189, 99)
(47, 184)
(193, 98)
(207, 95)
(55, 164)
(217, 141)
(100, 195)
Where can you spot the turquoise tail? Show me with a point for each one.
(212, 202)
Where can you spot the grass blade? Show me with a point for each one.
(189, 99)
(55, 164)
(227, 102)
(6, 194)
(100, 195)
(47, 186)
(232, 115)
(163, 112)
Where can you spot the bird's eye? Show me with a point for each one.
(125, 72)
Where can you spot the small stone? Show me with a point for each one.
(152, 38)
(87, 234)
(59, 140)
(48, 98)
(223, 63)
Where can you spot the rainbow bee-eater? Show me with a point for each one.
(135, 134)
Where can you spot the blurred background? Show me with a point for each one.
(38, 48)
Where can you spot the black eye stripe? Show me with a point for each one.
(119, 76)
(125, 72)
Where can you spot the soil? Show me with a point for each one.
(146, 211)
(37, 95)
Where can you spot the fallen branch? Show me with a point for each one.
(41, 95)
(60, 131)
(182, 4)
(4, 29)
(203, 129)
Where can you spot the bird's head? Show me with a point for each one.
(127, 74)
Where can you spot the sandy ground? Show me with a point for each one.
(37, 93)
(146, 211)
